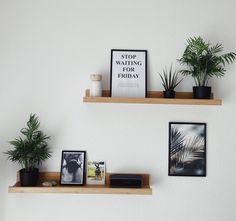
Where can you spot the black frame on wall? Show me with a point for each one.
(187, 149)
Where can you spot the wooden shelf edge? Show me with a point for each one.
(86, 189)
(81, 190)
(154, 97)
(175, 101)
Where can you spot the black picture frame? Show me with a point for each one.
(73, 167)
(135, 87)
(187, 149)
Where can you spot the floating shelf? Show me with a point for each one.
(153, 97)
(86, 189)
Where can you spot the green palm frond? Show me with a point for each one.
(204, 61)
(228, 58)
(32, 150)
(215, 49)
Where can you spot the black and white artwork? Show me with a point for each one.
(73, 167)
(187, 149)
(128, 73)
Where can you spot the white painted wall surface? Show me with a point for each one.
(49, 48)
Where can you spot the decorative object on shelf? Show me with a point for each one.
(96, 172)
(204, 61)
(128, 73)
(49, 183)
(96, 85)
(73, 167)
(30, 151)
(187, 149)
(170, 80)
(126, 181)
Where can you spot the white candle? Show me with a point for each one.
(96, 85)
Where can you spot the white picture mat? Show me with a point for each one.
(128, 87)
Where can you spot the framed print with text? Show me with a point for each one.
(187, 149)
(128, 77)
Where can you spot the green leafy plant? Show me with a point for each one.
(204, 61)
(170, 79)
(31, 150)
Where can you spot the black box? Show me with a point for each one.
(126, 181)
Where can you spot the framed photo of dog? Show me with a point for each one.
(96, 172)
(73, 165)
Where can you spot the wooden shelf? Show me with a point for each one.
(86, 189)
(153, 97)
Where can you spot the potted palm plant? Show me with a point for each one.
(30, 151)
(170, 81)
(204, 61)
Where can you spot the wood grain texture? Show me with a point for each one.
(153, 97)
(86, 189)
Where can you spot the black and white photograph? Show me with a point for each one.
(128, 77)
(187, 149)
(73, 168)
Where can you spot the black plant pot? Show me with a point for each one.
(29, 177)
(201, 92)
(169, 94)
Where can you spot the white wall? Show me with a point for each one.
(49, 48)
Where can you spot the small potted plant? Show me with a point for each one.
(204, 61)
(170, 81)
(30, 151)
